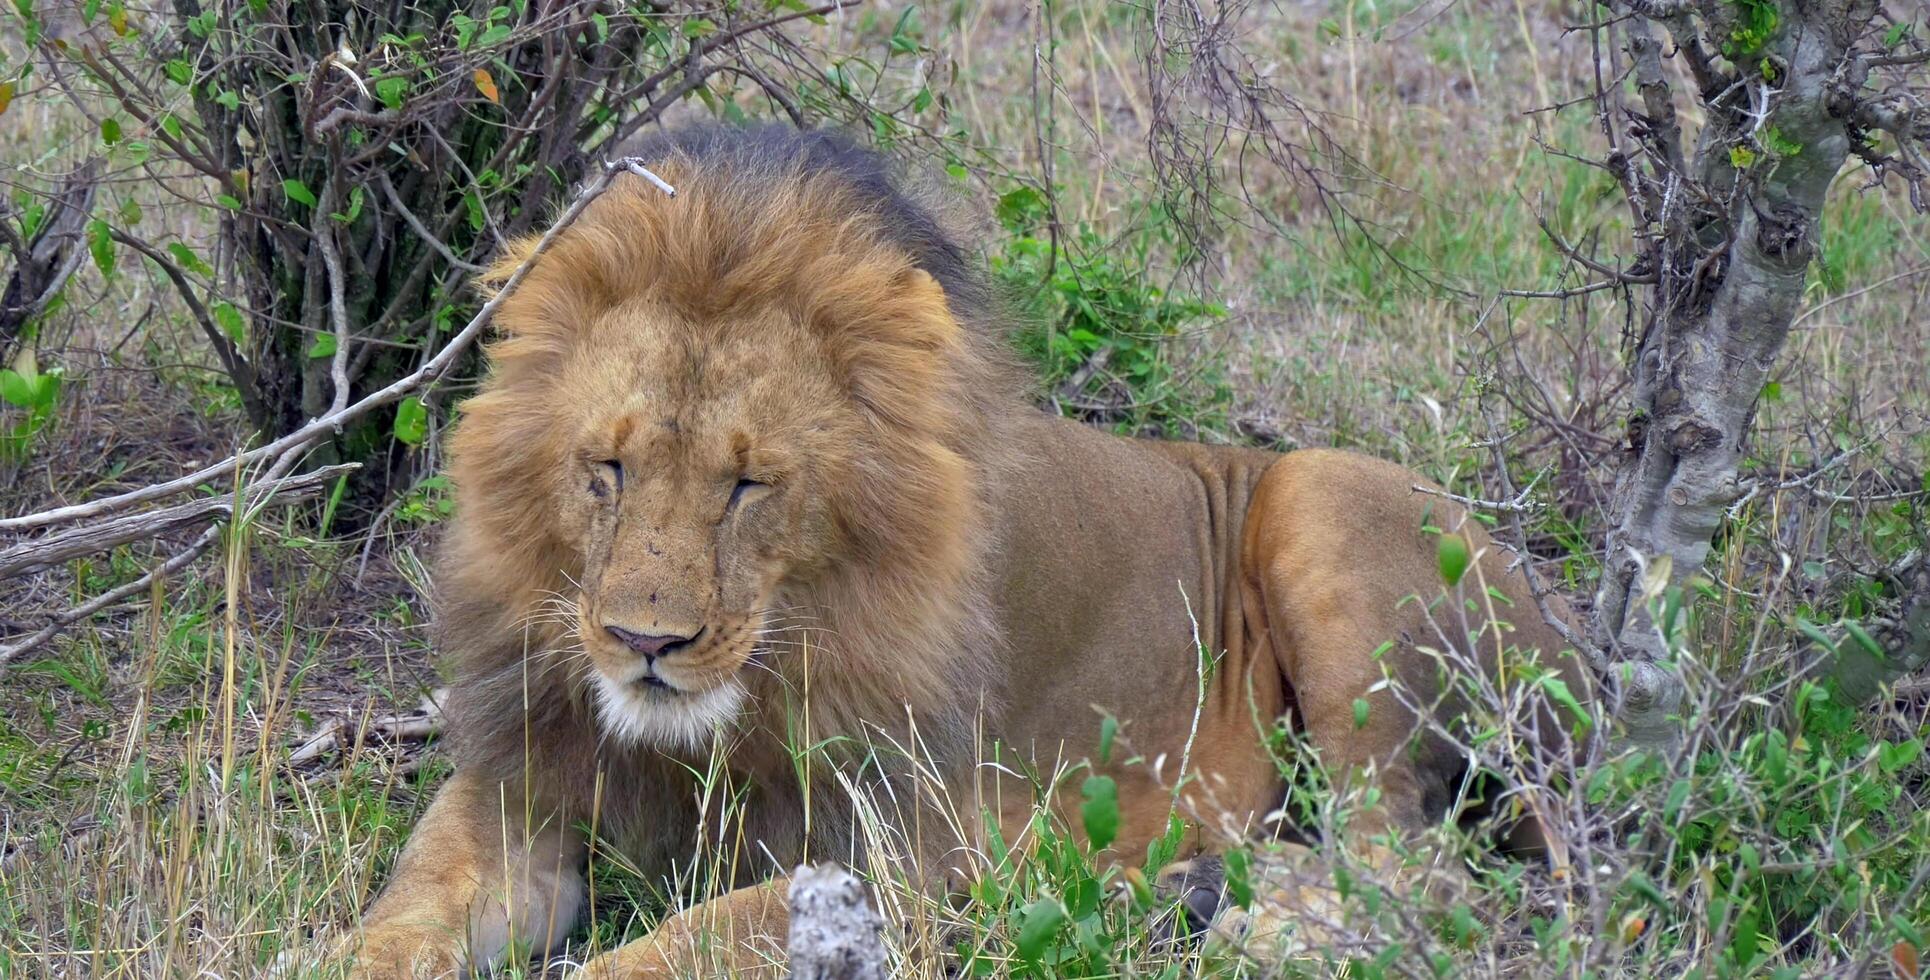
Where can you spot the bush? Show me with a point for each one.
(357, 162)
(1102, 336)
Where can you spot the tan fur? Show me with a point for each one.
(922, 560)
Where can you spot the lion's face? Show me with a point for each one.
(694, 489)
(717, 426)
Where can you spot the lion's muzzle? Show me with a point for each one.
(652, 645)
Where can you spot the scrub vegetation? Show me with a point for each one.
(219, 224)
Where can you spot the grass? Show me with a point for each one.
(153, 826)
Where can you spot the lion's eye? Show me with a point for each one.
(744, 486)
(608, 474)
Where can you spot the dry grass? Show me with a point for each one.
(152, 824)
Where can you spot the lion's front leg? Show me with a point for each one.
(469, 881)
(738, 934)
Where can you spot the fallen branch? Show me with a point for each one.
(134, 527)
(105, 599)
(416, 726)
(91, 539)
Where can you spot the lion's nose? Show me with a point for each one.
(652, 645)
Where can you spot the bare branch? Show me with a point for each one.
(112, 596)
(232, 361)
(292, 445)
(422, 231)
(89, 539)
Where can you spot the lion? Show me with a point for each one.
(752, 468)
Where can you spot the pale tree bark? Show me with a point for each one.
(1728, 232)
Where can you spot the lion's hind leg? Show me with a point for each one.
(1337, 566)
(1334, 557)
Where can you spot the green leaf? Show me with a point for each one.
(904, 35)
(1238, 865)
(1866, 641)
(110, 130)
(1101, 809)
(392, 90)
(227, 201)
(1453, 557)
(188, 260)
(229, 320)
(1743, 940)
(1360, 712)
(1558, 689)
(323, 346)
(1742, 157)
(178, 71)
(1780, 144)
(45, 388)
(1678, 796)
(1815, 635)
(15, 390)
(1021, 208)
(1039, 922)
(354, 208)
(1891, 757)
(298, 192)
(411, 421)
(1108, 730)
(101, 245)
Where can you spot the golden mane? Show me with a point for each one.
(760, 222)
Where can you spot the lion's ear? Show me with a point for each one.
(897, 343)
(926, 316)
(517, 252)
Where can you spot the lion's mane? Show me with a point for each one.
(761, 216)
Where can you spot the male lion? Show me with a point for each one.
(750, 472)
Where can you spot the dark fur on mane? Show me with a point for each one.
(907, 210)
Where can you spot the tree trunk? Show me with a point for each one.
(1738, 231)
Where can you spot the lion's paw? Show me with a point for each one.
(1296, 910)
(391, 954)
